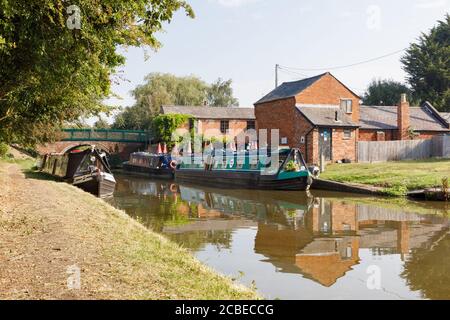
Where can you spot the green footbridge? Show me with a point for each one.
(110, 135)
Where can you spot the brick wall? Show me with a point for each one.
(427, 134)
(303, 128)
(390, 135)
(343, 148)
(121, 149)
(344, 214)
(328, 90)
(211, 127)
(278, 114)
(371, 135)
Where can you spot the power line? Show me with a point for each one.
(345, 66)
(292, 72)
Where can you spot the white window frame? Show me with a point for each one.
(347, 105)
(347, 137)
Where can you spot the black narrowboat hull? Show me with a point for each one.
(241, 180)
(148, 172)
(101, 186)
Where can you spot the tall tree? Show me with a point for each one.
(428, 66)
(101, 123)
(160, 89)
(57, 57)
(385, 93)
(220, 94)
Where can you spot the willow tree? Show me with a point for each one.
(58, 57)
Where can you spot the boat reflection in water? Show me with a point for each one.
(295, 246)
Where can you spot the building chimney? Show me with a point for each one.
(403, 118)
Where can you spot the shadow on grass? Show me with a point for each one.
(38, 175)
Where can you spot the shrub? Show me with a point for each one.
(291, 166)
(3, 149)
(166, 124)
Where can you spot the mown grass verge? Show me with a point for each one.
(121, 258)
(397, 178)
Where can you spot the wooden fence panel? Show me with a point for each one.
(446, 146)
(379, 151)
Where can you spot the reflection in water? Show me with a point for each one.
(298, 246)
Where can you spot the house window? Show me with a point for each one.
(347, 134)
(381, 136)
(347, 105)
(224, 126)
(251, 125)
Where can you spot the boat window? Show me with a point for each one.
(281, 158)
(90, 163)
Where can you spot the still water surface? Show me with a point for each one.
(293, 246)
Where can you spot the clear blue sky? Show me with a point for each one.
(244, 39)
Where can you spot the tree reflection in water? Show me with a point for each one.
(317, 238)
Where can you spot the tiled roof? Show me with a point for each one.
(204, 112)
(289, 89)
(385, 118)
(446, 116)
(325, 115)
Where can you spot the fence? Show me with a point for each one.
(379, 151)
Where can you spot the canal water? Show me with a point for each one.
(290, 245)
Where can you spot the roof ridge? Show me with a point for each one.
(309, 78)
(199, 106)
(290, 89)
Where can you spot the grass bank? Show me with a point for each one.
(396, 178)
(48, 228)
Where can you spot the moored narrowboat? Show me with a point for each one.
(248, 171)
(87, 169)
(151, 165)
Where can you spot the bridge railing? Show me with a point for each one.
(106, 135)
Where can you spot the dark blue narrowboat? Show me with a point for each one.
(151, 165)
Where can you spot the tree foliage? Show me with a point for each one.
(167, 89)
(51, 74)
(220, 94)
(428, 66)
(160, 89)
(385, 93)
(3, 149)
(101, 124)
(165, 124)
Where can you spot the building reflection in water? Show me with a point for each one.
(319, 238)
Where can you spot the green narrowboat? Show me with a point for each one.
(247, 170)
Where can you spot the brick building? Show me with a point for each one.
(313, 113)
(402, 122)
(215, 121)
(321, 113)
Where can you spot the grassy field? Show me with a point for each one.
(48, 226)
(395, 177)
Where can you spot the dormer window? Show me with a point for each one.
(347, 105)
